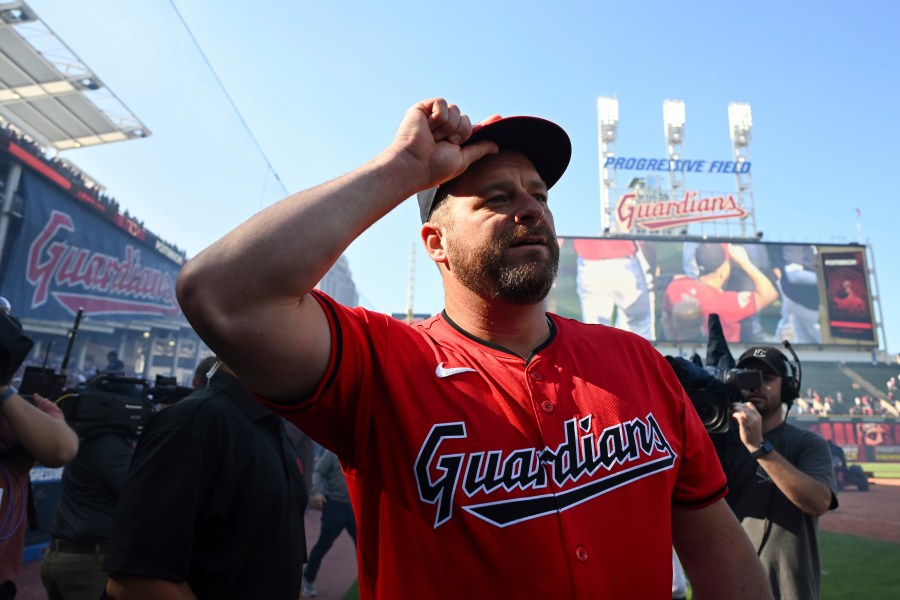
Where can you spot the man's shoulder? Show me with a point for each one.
(197, 411)
(802, 433)
(805, 439)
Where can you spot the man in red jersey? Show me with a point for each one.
(493, 450)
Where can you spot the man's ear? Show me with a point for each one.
(433, 238)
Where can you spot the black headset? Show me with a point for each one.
(790, 383)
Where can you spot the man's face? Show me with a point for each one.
(766, 399)
(499, 234)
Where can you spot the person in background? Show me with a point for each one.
(113, 363)
(32, 431)
(72, 568)
(799, 286)
(780, 477)
(614, 279)
(214, 502)
(329, 494)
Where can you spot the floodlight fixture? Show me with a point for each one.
(674, 118)
(608, 115)
(674, 113)
(608, 110)
(607, 129)
(740, 122)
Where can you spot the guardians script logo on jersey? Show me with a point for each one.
(582, 467)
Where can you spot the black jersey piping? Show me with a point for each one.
(477, 339)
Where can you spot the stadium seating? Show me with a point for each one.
(828, 378)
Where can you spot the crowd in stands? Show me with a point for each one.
(102, 202)
(863, 404)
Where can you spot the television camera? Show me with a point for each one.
(113, 403)
(105, 403)
(714, 386)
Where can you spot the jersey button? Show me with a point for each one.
(537, 376)
(547, 406)
(581, 553)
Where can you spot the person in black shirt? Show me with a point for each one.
(214, 503)
(113, 363)
(72, 569)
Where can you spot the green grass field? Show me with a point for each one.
(855, 567)
(882, 470)
(352, 593)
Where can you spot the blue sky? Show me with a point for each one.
(323, 85)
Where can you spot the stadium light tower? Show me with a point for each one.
(740, 123)
(608, 121)
(674, 118)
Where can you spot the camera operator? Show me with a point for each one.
(780, 477)
(32, 431)
(72, 569)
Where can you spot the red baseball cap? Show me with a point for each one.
(543, 142)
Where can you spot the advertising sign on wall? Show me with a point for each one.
(861, 440)
(67, 257)
(845, 285)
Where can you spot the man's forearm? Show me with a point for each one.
(765, 292)
(717, 556)
(47, 439)
(253, 283)
(806, 493)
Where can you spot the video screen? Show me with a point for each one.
(665, 289)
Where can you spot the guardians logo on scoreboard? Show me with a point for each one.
(666, 214)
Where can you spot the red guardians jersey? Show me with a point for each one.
(475, 473)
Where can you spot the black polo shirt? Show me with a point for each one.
(91, 485)
(214, 498)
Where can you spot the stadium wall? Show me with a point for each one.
(862, 439)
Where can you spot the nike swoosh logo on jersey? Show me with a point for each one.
(442, 372)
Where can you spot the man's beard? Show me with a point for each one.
(491, 275)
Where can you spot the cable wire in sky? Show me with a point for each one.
(230, 99)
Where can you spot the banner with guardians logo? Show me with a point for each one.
(67, 257)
